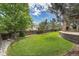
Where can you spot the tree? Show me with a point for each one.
(14, 17)
(60, 10)
(68, 12)
(43, 26)
(54, 25)
(65, 11)
(75, 16)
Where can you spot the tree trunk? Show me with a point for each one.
(77, 28)
(64, 26)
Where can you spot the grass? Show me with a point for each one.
(48, 44)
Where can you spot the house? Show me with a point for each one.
(32, 30)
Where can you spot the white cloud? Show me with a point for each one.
(36, 10)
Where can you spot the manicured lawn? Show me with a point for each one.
(41, 44)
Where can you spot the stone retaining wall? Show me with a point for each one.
(71, 37)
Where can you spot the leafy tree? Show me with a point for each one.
(43, 26)
(60, 10)
(65, 11)
(14, 17)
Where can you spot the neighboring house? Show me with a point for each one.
(33, 28)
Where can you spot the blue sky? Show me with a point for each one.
(39, 12)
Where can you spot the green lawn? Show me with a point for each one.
(47, 44)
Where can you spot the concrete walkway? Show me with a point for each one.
(74, 52)
(5, 44)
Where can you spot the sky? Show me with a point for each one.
(39, 12)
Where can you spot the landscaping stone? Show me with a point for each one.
(5, 44)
